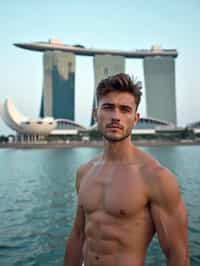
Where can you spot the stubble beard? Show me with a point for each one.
(115, 140)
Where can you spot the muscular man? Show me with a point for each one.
(124, 195)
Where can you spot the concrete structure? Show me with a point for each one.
(57, 45)
(147, 124)
(58, 98)
(49, 130)
(104, 66)
(107, 65)
(195, 126)
(159, 75)
(34, 130)
(58, 91)
(151, 123)
(22, 124)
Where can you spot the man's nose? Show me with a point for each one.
(115, 115)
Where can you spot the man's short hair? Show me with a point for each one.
(120, 83)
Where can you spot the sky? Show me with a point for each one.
(124, 25)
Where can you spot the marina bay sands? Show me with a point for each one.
(59, 67)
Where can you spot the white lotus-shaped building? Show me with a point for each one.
(35, 127)
(24, 125)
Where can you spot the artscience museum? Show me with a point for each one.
(35, 130)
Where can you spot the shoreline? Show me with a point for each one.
(79, 144)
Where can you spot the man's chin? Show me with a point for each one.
(115, 138)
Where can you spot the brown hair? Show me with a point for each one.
(121, 83)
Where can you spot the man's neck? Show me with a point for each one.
(118, 151)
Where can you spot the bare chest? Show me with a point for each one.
(116, 191)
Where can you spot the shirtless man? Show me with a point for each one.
(125, 196)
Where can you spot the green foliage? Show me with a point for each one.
(95, 135)
(3, 139)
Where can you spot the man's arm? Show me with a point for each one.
(73, 253)
(170, 217)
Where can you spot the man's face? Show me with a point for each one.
(116, 115)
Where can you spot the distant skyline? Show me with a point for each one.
(124, 25)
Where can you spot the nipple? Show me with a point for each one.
(122, 212)
(97, 257)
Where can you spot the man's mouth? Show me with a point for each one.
(114, 126)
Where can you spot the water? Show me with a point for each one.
(38, 199)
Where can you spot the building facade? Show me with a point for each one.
(104, 66)
(58, 96)
(159, 76)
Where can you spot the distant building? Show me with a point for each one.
(195, 126)
(58, 98)
(159, 75)
(104, 66)
(151, 123)
(48, 129)
(107, 65)
(146, 124)
(34, 130)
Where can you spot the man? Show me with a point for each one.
(124, 195)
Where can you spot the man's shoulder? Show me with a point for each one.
(148, 162)
(158, 178)
(158, 174)
(84, 169)
(150, 165)
(162, 183)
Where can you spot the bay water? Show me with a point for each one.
(38, 201)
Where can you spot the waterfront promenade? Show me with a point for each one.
(73, 144)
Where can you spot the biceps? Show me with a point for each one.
(171, 226)
(79, 223)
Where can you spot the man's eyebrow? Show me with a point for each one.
(126, 106)
(107, 104)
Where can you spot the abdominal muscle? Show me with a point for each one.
(117, 241)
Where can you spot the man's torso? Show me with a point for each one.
(118, 225)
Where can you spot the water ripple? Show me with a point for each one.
(38, 202)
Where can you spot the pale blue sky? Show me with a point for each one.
(112, 24)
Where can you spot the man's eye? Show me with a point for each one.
(125, 110)
(107, 107)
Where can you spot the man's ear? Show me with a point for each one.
(136, 119)
(94, 113)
